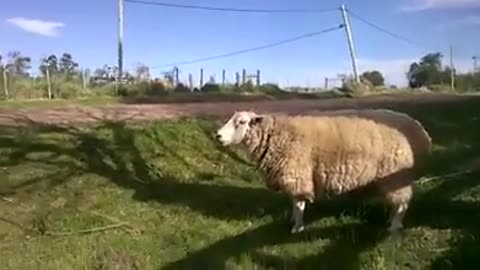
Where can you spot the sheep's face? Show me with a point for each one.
(235, 129)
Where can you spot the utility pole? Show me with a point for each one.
(348, 32)
(120, 41)
(452, 70)
(223, 77)
(201, 78)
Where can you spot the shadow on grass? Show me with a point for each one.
(346, 241)
(121, 161)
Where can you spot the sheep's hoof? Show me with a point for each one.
(395, 227)
(297, 229)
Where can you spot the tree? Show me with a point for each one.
(17, 64)
(428, 71)
(67, 66)
(50, 62)
(375, 77)
(100, 73)
(142, 72)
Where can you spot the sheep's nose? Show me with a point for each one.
(218, 136)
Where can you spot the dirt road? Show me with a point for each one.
(129, 112)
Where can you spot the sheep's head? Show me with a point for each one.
(237, 127)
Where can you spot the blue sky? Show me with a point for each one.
(161, 35)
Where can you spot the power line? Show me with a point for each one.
(231, 9)
(254, 48)
(384, 30)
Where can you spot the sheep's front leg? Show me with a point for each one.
(298, 208)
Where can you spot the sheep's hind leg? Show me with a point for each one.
(396, 218)
(399, 201)
(298, 209)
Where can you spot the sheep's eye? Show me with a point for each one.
(242, 122)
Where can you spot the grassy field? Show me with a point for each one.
(163, 195)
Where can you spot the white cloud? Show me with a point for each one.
(421, 5)
(40, 27)
(469, 21)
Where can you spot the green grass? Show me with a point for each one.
(191, 204)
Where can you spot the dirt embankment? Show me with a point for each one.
(131, 112)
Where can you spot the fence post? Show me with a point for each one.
(237, 78)
(258, 77)
(244, 76)
(176, 76)
(201, 78)
(5, 83)
(190, 81)
(49, 86)
(223, 77)
(84, 80)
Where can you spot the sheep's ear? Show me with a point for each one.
(258, 119)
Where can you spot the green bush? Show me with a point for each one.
(353, 88)
(104, 90)
(181, 88)
(156, 88)
(69, 90)
(247, 87)
(211, 88)
(440, 88)
(270, 88)
(20, 88)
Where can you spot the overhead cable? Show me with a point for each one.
(253, 49)
(252, 10)
(384, 30)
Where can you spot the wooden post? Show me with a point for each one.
(176, 76)
(244, 76)
(223, 77)
(258, 77)
(49, 86)
(201, 78)
(120, 44)
(84, 80)
(326, 83)
(452, 70)
(190, 81)
(237, 78)
(5, 83)
(475, 59)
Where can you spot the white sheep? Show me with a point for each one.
(333, 153)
